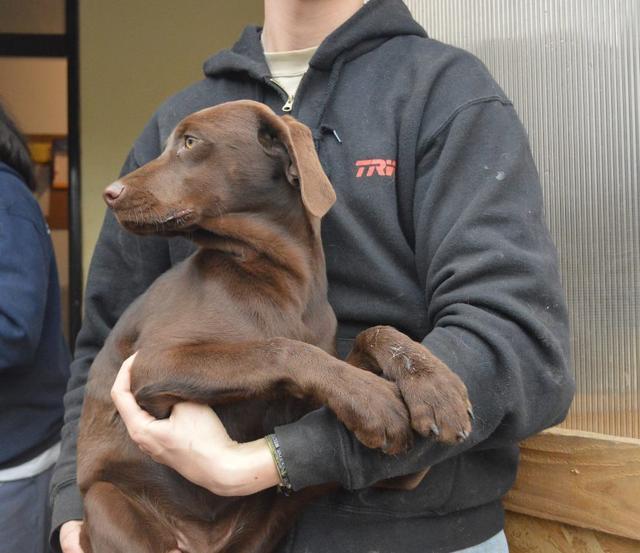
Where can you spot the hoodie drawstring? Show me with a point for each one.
(331, 87)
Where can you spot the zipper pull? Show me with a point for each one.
(288, 105)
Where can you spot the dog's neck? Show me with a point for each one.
(249, 239)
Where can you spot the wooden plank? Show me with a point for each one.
(580, 478)
(527, 534)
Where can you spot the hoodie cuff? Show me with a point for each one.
(311, 449)
(67, 505)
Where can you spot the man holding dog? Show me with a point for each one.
(438, 231)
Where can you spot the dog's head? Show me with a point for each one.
(234, 158)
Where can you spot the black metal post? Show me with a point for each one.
(75, 219)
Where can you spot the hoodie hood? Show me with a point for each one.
(376, 22)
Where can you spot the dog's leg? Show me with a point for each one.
(369, 405)
(435, 396)
(278, 520)
(115, 524)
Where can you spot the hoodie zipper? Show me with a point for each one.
(288, 105)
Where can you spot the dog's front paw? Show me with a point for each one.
(436, 398)
(371, 408)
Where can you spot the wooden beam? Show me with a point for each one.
(527, 534)
(580, 478)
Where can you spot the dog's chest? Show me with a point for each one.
(187, 304)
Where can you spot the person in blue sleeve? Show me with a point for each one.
(34, 358)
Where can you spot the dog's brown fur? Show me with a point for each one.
(242, 325)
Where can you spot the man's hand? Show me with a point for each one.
(70, 536)
(194, 442)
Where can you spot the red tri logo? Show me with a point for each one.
(370, 167)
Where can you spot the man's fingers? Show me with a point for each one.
(122, 382)
(189, 410)
(134, 418)
(70, 537)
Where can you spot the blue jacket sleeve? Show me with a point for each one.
(24, 273)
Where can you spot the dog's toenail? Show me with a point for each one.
(435, 430)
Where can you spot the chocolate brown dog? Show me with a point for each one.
(242, 325)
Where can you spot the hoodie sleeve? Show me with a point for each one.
(493, 296)
(24, 279)
(122, 267)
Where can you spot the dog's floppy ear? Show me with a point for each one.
(302, 166)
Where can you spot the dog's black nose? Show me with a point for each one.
(113, 192)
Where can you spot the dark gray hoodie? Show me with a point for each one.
(438, 230)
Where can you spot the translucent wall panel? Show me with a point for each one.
(572, 68)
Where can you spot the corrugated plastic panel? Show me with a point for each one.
(572, 68)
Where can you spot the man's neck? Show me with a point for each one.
(297, 24)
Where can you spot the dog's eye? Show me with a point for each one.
(189, 142)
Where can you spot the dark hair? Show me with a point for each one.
(14, 151)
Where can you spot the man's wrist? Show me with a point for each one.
(67, 506)
(276, 453)
(248, 468)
